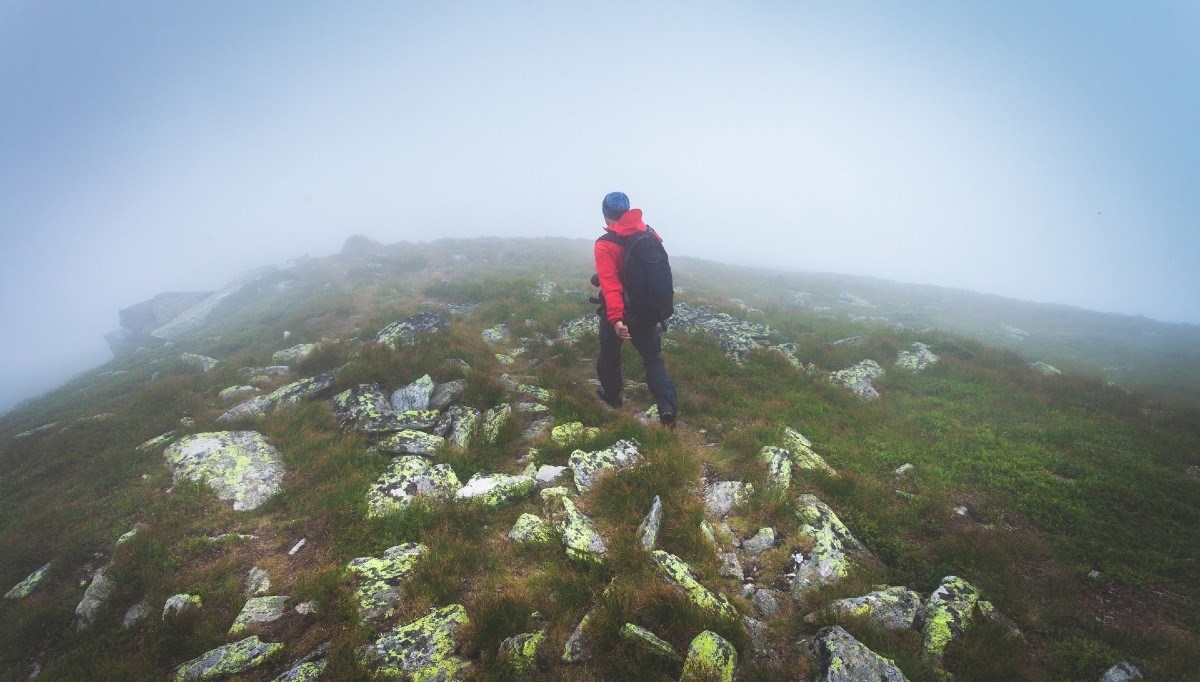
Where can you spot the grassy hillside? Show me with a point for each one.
(1077, 515)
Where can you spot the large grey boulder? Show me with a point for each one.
(842, 658)
(425, 649)
(405, 332)
(286, 396)
(238, 465)
(892, 608)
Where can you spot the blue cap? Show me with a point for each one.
(614, 206)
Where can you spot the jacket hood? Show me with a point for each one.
(629, 224)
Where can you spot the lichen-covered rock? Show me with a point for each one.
(405, 332)
(494, 420)
(538, 428)
(156, 442)
(200, 362)
(917, 359)
(648, 641)
(368, 410)
(463, 423)
(129, 534)
(542, 395)
(498, 334)
(588, 466)
(578, 532)
(286, 396)
(841, 658)
(803, 455)
(296, 353)
(409, 442)
(647, 532)
(763, 540)
(767, 602)
(672, 569)
(779, 467)
(422, 651)
(579, 329)
(532, 530)
(1121, 672)
(722, 496)
(444, 395)
(833, 546)
(519, 653)
(893, 608)
(1042, 368)
(709, 658)
(731, 566)
(235, 391)
(136, 614)
(504, 359)
(309, 671)
(549, 476)
(857, 379)
(947, 614)
(94, 597)
(258, 582)
(238, 465)
(28, 585)
(736, 338)
(408, 478)
(495, 489)
(573, 433)
(579, 647)
(414, 396)
(177, 604)
(259, 610)
(378, 579)
(229, 659)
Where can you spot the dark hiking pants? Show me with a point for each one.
(648, 341)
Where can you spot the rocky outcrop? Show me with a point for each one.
(842, 658)
(424, 649)
(94, 597)
(138, 320)
(238, 465)
(229, 659)
(947, 614)
(736, 338)
(367, 409)
(197, 315)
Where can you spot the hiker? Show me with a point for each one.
(622, 318)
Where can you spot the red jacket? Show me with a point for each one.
(610, 257)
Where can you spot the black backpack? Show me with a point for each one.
(645, 276)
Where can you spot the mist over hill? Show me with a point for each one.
(392, 462)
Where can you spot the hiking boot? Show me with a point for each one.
(667, 419)
(614, 403)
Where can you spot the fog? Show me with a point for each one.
(1042, 151)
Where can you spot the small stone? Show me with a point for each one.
(532, 530)
(201, 362)
(238, 465)
(857, 379)
(763, 540)
(730, 566)
(415, 396)
(573, 433)
(136, 614)
(947, 614)
(647, 532)
(94, 597)
(229, 659)
(1122, 672)
(307, 608)
(444, 395)
(721, 497)
(710, 658)
(259, 610)
(767, 602)
(410, 442)
(579, 647)
(589, 466)
(378, 580)
(549, 476)
(177, 604)
(520, 653)
(648, 641)
(892, 608)
(297, 547)
(28, 585)
(258, 582)
(580, 538)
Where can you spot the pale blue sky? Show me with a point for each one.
(1046, 151)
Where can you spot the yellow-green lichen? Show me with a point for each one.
(679, 574)
(28, 585)
(229, 659)
(710, 657)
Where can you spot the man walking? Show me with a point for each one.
(617, 323)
